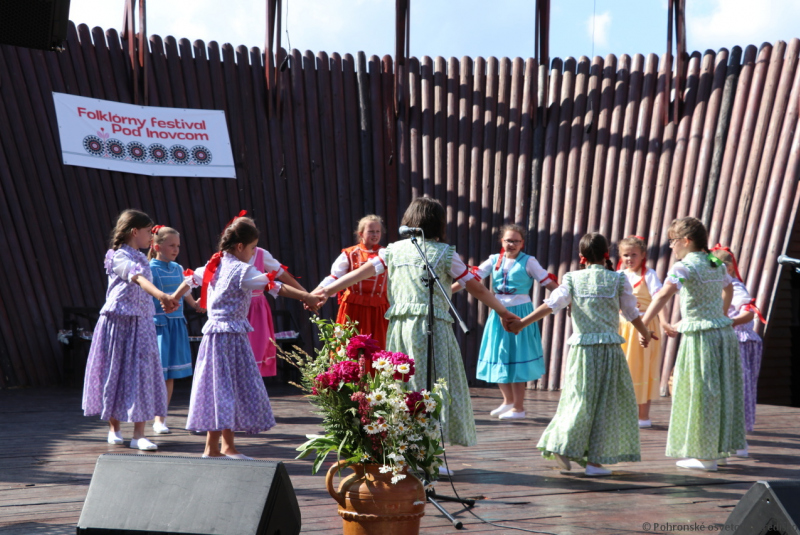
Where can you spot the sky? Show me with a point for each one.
(463, 27)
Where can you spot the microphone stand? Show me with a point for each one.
(429, 279)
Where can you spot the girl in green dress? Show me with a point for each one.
(707, 419)
(595, 422)
(408, 310)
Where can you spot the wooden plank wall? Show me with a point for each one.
(561, 149)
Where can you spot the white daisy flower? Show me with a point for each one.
(405, 369)
(397, 478)
(382, 364)
(385, 469)
(371, 429)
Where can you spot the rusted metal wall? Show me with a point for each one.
(575, 146)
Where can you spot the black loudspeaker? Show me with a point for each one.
(768, 508)
(151, 494)
(40, 24)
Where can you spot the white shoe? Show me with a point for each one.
(443, 471)
(644, 424)
(143, 444)
(597, 471)
(161, 429)
(562, 462)
(115, 437)
(240, 456)
(744, 454)
(512, 415)
(698, 464)
(501, 409)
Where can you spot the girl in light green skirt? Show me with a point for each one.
(707, 419)
(595, 422)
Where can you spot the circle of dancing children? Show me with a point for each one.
(260, 316)
(707, 418)
(742, 311)
(508, 360)
(124, 379)
(595, 422)
(644, 362)
(228, 393)
(173, 337)
(408, 307)
(364, 302)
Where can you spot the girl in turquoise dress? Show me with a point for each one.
(408, 310)
(508, 360)
(595, 422)
(707, 419)
(173, 337)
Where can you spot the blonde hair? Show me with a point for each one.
(634, 241)
(127, 221)
(159, 236)
(362, 224)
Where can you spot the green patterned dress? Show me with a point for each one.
(408, 318)
(596, 419)
(707, 420)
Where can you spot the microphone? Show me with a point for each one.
(789, 261)
(407, 232)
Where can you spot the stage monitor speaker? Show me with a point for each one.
(154, 494)
(40, 24)
(768, 508)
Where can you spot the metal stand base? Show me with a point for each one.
(434, 499)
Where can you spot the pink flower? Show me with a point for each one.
(347, 371)
(325, 381)
(361, 342)
(414, 402)
(399, 359)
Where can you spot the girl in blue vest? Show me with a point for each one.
(508, 360)
(173, 338)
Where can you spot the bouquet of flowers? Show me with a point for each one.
(369, 413)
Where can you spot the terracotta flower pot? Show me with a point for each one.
(370, 504)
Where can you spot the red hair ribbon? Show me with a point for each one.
(208, 274)
(605, 256)
(156, 228)
(474, 271)
(638, 237)
(719, 247)
(500, 258)
(582, 260)
(751, 307)
(242, 213)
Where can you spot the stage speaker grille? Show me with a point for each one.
(767, 508)
(143, 494)
(40, 24)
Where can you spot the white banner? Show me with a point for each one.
(143, 140)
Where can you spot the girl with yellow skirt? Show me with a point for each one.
(644, 362)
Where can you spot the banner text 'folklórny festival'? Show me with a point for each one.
(142, 139)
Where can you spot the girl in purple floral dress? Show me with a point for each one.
(124, 381)
(228, 393)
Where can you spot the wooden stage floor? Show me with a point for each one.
(48, 451)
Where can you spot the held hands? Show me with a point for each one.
(670, 330)
(313, 301)
(200, 310)
(644, 341)
(169, 303)
(509, 319)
